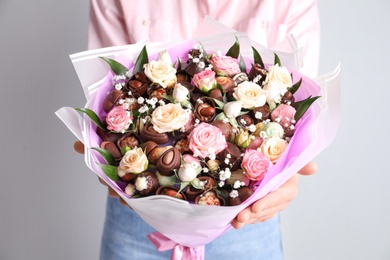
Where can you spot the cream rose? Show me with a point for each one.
(273, 148)
(169, 118)
(280, 75)
(277, 81)
(250, 94)
(161, 73)
(134, 161)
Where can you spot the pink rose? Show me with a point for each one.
(284, 115)
(205, 80)
(118, 119)
(225, 65)
(255, 164)
(206, 141)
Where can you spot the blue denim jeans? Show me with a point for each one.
(125, 237)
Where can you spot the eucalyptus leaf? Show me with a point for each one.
(234, 51)
(183, 185)
(277, 60)
(110, 171)
(304, 106)
(93, 116)
(115, 66)
(295, 87)
(141, 60)
(106, 155)
(257, 58)
(242, 64)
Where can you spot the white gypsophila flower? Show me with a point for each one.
(221, 184)
(252, 128)
(140, 100)
(237, 184)
(233, 194)
(258, 115)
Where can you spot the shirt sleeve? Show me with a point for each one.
(106, 24)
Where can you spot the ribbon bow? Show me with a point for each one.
(179, 252)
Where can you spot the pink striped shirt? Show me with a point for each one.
(119, 22)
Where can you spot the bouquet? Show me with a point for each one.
(189, 137)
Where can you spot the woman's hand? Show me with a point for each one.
(268, 206)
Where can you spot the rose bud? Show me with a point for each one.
(180, 93)
(226, 83)
(232, 109)
(213, 165)
(205, 80)
(259, 128)
(243, 139)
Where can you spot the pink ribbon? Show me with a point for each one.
(179, 252)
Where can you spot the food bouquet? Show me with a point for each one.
(189, 136)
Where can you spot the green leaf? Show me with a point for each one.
(277, 60)
(115, 66)
(183, 185)
(234, 51)
(257, 58)
(141, 60)
(219, 103)
(196, 184)
(106, 155)
(110, 171)
(233, 122)
(304, 106)
(178, 64)
(95, 118)
(295, 87)
(242, 64)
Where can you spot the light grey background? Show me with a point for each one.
(52, 206)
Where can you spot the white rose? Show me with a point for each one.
(187, 172)
(273, 148)
(169, 118)
(277, 81)
(161, 73)
(232, 109)
(250, 94)
(280, 75)
(274, 92)
(164, 56)
(180, 93)
(134, 161)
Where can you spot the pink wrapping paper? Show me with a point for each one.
(185, 227)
